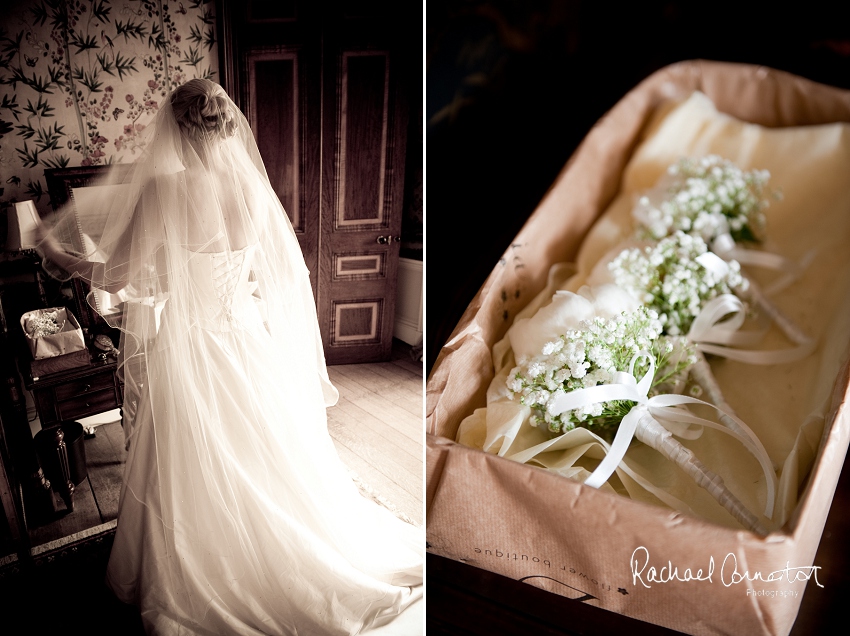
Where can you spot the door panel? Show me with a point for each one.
(283, 107)
(317, 81)
(363, 94)
(363, 179)
(356, 322)
(359, 266)
(274, 83)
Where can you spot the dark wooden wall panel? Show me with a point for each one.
(325, 86)
(364, 121)
(275, 88)
(356, 321)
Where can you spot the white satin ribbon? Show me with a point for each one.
(724, 246)
(713, 263)
(711, 334)
(554, 444)
(665, 409)
(709, 325)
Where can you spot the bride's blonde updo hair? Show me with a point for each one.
(203, 110)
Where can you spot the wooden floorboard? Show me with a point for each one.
(391, 414)
(376, 427)
(410, 365)
(357, 390)
(376, 380)
(105, 456)
(96, 498)
(84, 516)
(399, 498)
(398, 375)
(412, 445)
(364, 432)
(407, 391)
(406, 474)
(388, 414)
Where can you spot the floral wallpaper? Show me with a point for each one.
(80, 79)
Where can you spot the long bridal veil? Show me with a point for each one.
(206, 192)
(236, 513)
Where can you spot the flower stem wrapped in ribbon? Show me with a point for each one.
(582, 379)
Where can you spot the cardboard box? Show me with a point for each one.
(585, 544)
(68, 340)
(55, 364)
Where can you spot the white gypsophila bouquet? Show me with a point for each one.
(671, 278)
(590, 356)
(707, 197)
(45, 324)
(608, 356)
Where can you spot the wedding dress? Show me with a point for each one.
(266, 542)
(236, 514)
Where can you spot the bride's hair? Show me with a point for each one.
(203, 110)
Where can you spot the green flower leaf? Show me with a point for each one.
(195, 34)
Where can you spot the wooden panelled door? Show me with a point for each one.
(324, 88)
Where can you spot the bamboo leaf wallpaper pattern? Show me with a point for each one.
(80, 80)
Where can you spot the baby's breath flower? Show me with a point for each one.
(589, 356)
(45, 324)
(709, 196)
(669, 279)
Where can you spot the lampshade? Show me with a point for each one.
(23, 219)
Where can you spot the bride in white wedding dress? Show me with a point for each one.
(236, 515)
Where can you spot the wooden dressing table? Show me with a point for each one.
(83, 390)
(76, 393)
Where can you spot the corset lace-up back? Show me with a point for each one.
(221, 280)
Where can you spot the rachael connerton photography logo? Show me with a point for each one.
(729, 573)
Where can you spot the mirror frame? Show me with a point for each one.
(61, 183)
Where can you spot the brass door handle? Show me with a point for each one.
(386, 240)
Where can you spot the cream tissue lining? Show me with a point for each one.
(786, 404)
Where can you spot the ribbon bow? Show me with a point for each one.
(724, 246)
(712, 334)
(665, 409)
